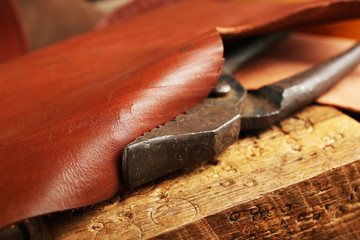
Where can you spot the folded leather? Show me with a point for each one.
(68, 110)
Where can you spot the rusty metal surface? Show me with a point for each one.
(201, 133)
(205, 131)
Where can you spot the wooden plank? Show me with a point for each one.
(297, 180)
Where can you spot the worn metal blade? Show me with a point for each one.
(196, 136)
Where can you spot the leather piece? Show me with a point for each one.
(268, 18)
(65, 124)
(73, 106)
(131, 10)
(346, 29)
(234, 20)
(12, 40)
(298, 53)
(290, 16)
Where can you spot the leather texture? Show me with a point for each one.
(69, 109)
(12, 40)
(305, 17)
(346, 29)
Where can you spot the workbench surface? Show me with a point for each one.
(297, 180)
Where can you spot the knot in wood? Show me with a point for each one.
(97, 226)
(254, 210)
(286, 208)
(234, 216)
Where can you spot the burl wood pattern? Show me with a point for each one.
(297, 180)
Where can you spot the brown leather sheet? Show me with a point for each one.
(68, 110)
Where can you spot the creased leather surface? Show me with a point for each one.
(12, 39)
(69, 109)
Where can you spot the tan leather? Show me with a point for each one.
(69, 109)
(298, 53)
(345, 94)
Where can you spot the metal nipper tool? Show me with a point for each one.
(208, 129)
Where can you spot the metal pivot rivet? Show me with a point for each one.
(220, 89)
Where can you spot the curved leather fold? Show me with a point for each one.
(269, 18)
(64, 128)
(69, 109)
(235, 20)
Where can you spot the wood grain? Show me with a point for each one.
(297, 180)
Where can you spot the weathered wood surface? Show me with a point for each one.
(297, 180)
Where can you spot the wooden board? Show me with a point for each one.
(297, 180)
